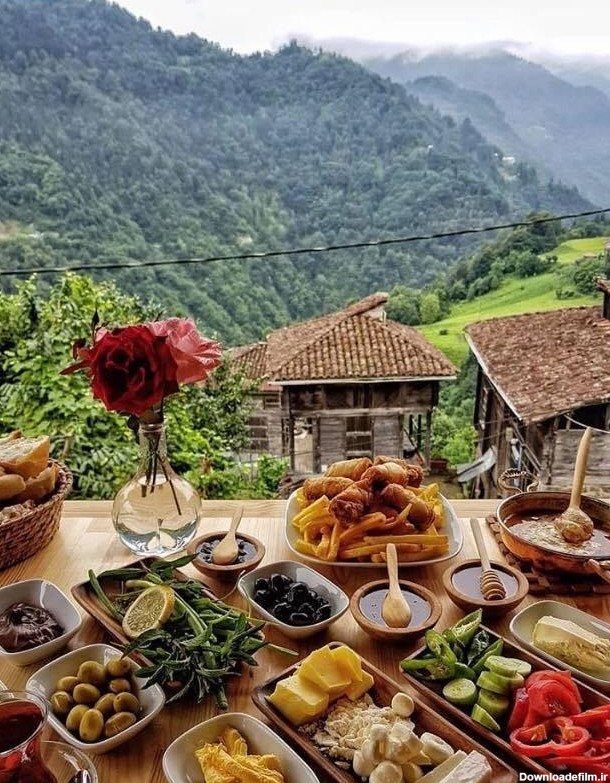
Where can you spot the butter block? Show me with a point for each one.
(321, 669)
(356, 690)
(349, 662)
(299, 700)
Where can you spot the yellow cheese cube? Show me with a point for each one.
(299, 700)
(349, 662)
(357, 689)
(321, 669)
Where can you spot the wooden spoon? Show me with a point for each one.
(492, 587)
(226, 551)
(395, 611)
(574, 525)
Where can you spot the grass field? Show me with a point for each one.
(515, 295)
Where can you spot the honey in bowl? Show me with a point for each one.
(539, 529)
(468, 581)
(372, 602)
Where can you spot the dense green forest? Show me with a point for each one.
(119, 141)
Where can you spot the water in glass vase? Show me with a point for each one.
(158, 511)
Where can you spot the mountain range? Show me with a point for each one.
(119, 141)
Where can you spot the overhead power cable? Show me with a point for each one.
(298, 251)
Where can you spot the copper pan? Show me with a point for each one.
(546, 558)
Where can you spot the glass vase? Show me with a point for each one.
(158, 511)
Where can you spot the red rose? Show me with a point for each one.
(195, 357)
(131, 369)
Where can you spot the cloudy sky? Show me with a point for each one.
(561, 26)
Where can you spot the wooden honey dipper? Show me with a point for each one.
(492, 587)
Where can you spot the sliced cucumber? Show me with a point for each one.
(495, 704)
(496, 683)
(480, 715)
(517, 681)
(507, 666)
(462, 692)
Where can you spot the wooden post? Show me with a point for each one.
(428, 436)
(419, 432)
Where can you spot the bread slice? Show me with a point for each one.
(25, 456)
(38, 487)
(10, 486)
(11, 436)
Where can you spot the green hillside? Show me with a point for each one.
(515, 295)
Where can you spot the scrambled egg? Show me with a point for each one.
(228, 761)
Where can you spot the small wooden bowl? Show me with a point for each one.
(469, 602)
(383, 632)
(226, 573)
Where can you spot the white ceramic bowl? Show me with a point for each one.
(451, 528)
(180, 764)
(39, 592)
(522, 628)
(45, 679)
(338, 600)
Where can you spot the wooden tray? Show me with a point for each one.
(84, 595)
(433, 692)
(382, 692)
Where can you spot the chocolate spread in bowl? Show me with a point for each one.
(23, 626)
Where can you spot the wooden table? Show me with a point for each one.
(86, 540)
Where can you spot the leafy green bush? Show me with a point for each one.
(206, 426)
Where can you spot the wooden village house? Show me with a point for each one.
(353, 382)
(540, 376)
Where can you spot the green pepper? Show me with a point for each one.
(464, 630)
(461, 670)
(439, 646)
(478, 646)
(493, 649)
(429, 668)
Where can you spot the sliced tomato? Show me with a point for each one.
(548, 674)
(520, 708)
(595, 718)
(552, 698)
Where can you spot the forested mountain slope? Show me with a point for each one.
(560, 125)
(121, 141)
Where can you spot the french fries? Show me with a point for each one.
(323, 536)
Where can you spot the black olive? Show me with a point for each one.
(313, 597)
(263, 597)
(277, 584)
(324, 611)
(298, 618)
(299, 591)
(307, 609)
(282, 611)
(261, 584)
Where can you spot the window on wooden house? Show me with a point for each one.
(358, 436)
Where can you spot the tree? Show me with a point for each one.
(403, 306)
(430, 308)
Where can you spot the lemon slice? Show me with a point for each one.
(150, 610)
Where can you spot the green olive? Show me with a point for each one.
(92, 672)
(119, 685)
(126, 702)
(118, 667)
(67, 684)
(85, 693)
(118, 723)
(75, 716)
(91, 726)
(105, 704)
(61, 702)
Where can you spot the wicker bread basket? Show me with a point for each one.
(22, 536)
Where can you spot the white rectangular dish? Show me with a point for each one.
(39, 592)
(451, 529)
(180, 764)
(44, 683)
(522, 628)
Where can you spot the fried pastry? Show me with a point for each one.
(351, 504)
(416, 474)
(387, 473)
(399, 497)
(330, 486)
(349, 468)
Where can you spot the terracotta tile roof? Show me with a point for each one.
(347, 345)
(252, 359)
(544, 364)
